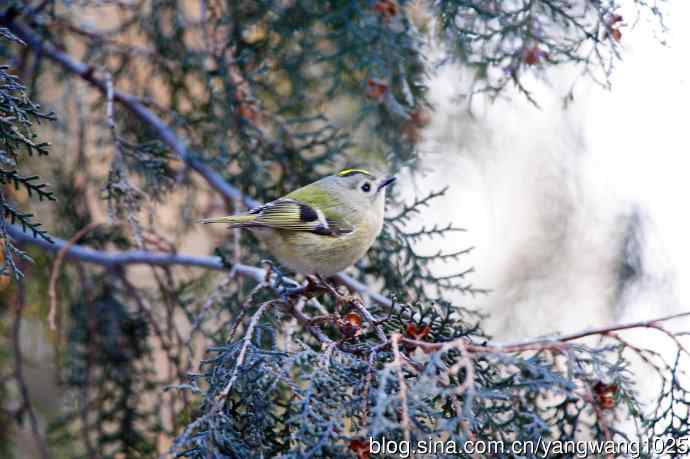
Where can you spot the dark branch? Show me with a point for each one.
(142, 257)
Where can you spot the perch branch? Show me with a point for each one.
(142, 257)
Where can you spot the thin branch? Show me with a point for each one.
(130, 257)
(55, 271)
(131, 103)
(308, 323)
(246, 341)
(650, 323)
(556, 341)
(142, 257)
(359, 287)
(365, 312)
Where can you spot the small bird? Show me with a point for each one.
(321, 228)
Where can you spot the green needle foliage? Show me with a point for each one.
(175, 110)
(305, 397)
(18, 115)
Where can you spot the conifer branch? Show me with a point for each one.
(25, 220)
(28, 183)
(141, 257)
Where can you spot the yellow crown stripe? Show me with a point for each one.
(346, 172)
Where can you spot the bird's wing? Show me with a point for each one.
(294, 215)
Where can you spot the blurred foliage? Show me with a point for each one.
(109, 373)
(503, 41)
(273, 94)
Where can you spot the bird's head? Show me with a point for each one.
(360, 188)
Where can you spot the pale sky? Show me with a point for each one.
(548, 196)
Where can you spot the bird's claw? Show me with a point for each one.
(280, 280)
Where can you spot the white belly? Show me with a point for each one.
(309, 253)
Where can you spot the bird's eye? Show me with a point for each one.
(366, 187)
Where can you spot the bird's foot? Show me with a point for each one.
(325, 285)
(280, 282)
(287, 288)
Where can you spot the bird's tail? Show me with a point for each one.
(232, 220)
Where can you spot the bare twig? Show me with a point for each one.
(308, 322)
(118, 170)
(365, 312)
(530, 343)
(55, 271)
(246, 341)
(245, 305)
(557, 342)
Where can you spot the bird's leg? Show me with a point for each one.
(288, 293)
(281, 282)
(312, 284)
(327, 286)
(337, 296)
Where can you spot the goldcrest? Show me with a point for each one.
(321, 228)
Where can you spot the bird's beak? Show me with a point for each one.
(386, 182)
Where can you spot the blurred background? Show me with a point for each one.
(573, 195)
(576, 213)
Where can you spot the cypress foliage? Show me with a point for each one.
(18, 117)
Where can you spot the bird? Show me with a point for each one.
(321, 228)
